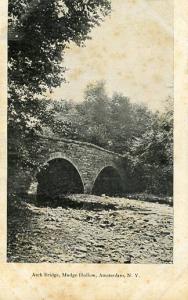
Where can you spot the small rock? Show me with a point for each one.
(80, 255)
(100, 245)
(165, 232)
(81, 248)
(44, 259)
(103, 225)
(130, 227)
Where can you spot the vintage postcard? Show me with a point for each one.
(94, 149)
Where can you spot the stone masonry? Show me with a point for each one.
(88, 159)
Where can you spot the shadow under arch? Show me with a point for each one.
(108, 182)
(56, 178)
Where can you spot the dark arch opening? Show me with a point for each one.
(108, 182)
(56, 179)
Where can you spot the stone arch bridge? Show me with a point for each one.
(87, 169)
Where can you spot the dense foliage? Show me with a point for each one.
(144, 137)
(151, 155)
(110, 122)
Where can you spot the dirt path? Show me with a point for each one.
(92, 230)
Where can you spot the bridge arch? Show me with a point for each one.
(108, 181)
(54, 169)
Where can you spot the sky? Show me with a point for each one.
(132, 51)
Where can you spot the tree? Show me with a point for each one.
(39, 32)
(120, 125)
(151, 155)
(94, 113)
(65, 119)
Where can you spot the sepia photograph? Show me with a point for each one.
(90, 131)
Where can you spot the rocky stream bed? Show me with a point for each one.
(91, 229)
